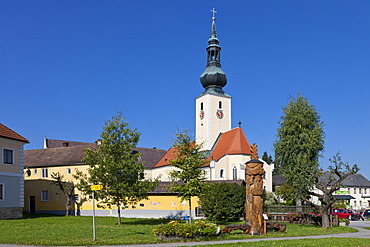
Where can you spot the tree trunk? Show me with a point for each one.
(190, 211)
(325, 222)
(119, 214)
(299, 206)
(68, 205)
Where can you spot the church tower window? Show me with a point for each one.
(201, 106)
(220, 104)
(222, 173)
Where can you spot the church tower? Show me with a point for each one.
(213, 106)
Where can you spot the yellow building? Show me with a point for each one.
(11, 173)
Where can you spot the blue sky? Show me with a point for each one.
(67, 66)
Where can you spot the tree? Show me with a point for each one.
(67, 187)
(300, 140)
(115, 165)
(327, 183)
(188, 177)
(223, 202)
(267, 158)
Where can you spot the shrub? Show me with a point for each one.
(344, 220)
(223, 202)
(176, 229)
(295, 217)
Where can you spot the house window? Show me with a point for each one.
(235, 173)
(354, 190)
(222, 173)
(1, 191)
(8, 156)
(44, 172)
(34, 171)
(44, 195)
(68, 170)
(354, 203)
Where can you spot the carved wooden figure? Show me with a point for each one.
(254, 190)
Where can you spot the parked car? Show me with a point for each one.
(342, 213)
(366, 214)
(354, 215)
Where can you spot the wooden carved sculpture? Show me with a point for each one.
(254, 190)
(254, 221)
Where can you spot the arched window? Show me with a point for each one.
(222, 173)
(235, 173)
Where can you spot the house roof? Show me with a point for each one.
(73, 155)
(10, 134)
(230, 142)
(353, 180)
(169, 155)
(50, 143)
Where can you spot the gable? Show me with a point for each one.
(230, 142)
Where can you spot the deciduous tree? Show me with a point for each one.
(115, 165)
(188, 176)
(67, 187)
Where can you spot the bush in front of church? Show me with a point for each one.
(222, 202)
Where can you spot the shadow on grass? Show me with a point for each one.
(39, 215)
(133, 221)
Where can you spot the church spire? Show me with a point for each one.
(213, 78)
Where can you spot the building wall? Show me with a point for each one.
(11, 180)
(361, 195)
(208, 128)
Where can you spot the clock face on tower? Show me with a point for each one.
(201, 115)
(219, 114)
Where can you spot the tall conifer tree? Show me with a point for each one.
(300, 140)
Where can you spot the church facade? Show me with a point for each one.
(227, 149)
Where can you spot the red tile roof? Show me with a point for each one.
(230, 142)
(8, 133)
(170, 155)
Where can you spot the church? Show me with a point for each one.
(227, 149)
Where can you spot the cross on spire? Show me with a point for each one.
(213, 13)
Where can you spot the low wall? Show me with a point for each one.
(11, 213)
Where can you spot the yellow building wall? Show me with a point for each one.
(12, 145)
(34, 184)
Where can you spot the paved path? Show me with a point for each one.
(362, 233)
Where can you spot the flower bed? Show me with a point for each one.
(176, 230)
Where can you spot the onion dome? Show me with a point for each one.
(213, 78)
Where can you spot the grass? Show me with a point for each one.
(56, 230)
(327, 242)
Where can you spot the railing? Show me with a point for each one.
(306, 209)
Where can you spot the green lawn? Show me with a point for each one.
(327, 242)
(72, 230)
